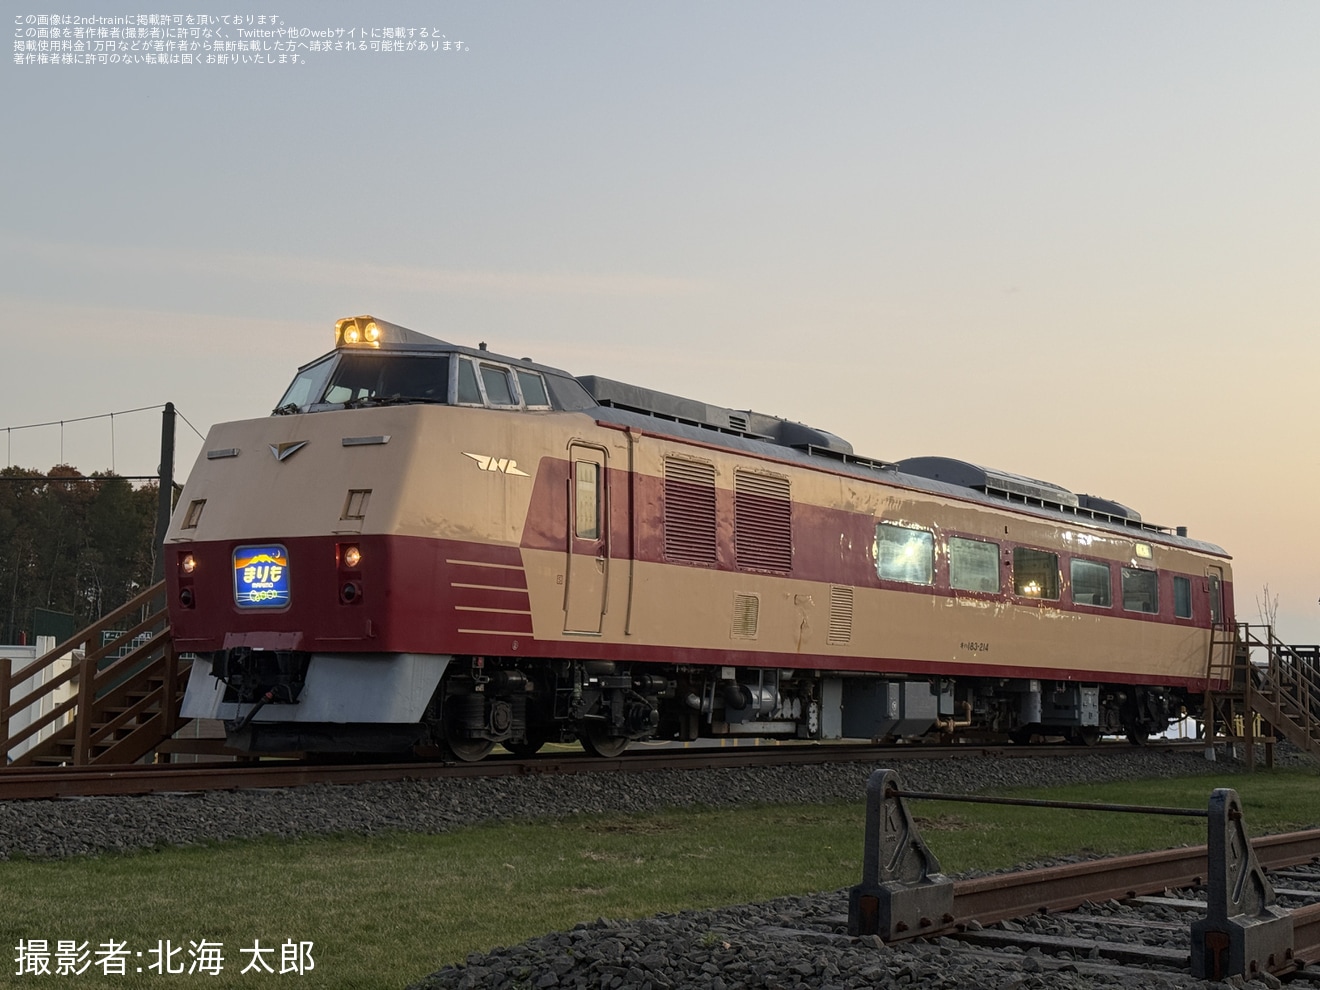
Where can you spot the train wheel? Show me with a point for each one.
(1138, 735)
(462, 748)
(468, 750)
(597, 743)
(1087, 736)
(529, 748)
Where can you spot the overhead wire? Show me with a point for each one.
(9, 430)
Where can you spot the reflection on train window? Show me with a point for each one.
(532, 387)
(499, 392)
(1141, 591)
(1036, 573)
(973, 565)
(903, 554)
(307, 387)
(1090, 583)
(368, 379)
(1182, 597)
(587, 512)
(468, 390)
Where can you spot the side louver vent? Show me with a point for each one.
(689, 511)
(746, 616)
(841, 615)
(762, 521)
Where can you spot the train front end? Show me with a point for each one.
(305, 551)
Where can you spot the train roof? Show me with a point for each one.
(758, 433)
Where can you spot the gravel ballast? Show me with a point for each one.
(87, 826)
(786, 943)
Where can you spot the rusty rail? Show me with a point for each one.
(35, 783)
(1061, 888)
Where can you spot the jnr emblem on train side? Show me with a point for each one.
(504, 465)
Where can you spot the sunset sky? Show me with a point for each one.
(1077, 241)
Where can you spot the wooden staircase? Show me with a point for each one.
(1266, 687)
(117, 702)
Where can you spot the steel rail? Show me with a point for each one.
(32, 783)
(1003, 896)
(1306, 935)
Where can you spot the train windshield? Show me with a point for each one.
(349, 379)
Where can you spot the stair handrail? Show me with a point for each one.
(88, 641)
(90, 684)
(84, 636)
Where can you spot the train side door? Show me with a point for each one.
(1214, 582)
(588, 540)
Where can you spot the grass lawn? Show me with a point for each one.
(382, 912)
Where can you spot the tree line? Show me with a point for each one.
(71, 543)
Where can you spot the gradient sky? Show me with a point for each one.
(1077, 241)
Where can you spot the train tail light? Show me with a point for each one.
(187, 564)
(349, 558)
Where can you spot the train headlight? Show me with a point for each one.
(359, 331)
(352, 556)
(188, 563)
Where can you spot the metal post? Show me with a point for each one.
(6, 679)
(82, 730)
(1249, 719)
(902, 893)
(165, 499)
(1243, 932)
(169, 705)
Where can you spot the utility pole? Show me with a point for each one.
(165, 502)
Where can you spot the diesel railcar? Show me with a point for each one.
(430, 545)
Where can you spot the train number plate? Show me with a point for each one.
(261, 576)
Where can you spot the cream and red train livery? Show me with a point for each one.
(431, 544)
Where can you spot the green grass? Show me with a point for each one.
(385, 911)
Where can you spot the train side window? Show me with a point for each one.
(973, 565)
(499, 391)
(587, 500)
(532, 387)
(1214, 585)
(469, 393)
(903, 554)
(1036, 573)
(1090, 583)
(1182, 597)
(1141, 591)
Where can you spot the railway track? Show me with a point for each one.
(1134, 911)
(34, 783)
(1122, 922)
(1246, 924)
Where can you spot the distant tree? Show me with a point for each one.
(1267, 606)
(70, 543)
